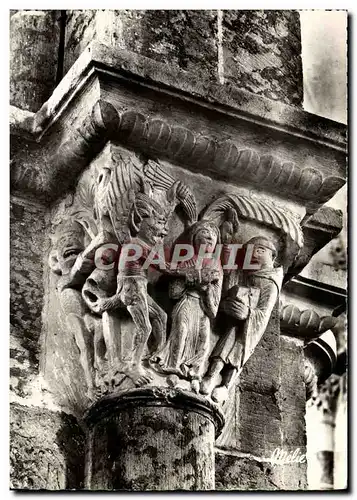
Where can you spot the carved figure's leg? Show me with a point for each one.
(140, 314)
(94, 324)
(110, 325)
(158, 320)
(202, 348)
(99, 346)
(179, 336)
(74, 311)
(215, 367)
(134, 296)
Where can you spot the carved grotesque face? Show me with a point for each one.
(206, 236)
(68, 243)
(262, 256)
(153, 228)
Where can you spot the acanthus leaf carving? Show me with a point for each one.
(261, 211)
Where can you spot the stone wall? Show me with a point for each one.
(47, 450)
(26, 287)
(259, 51)
(47, 445)
(34, 56)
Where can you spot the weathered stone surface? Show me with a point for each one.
(293, 397)
(151, 443)
(318, 231)
(27, 224)
(249, 474)
(34, 48)
(260, 49)
(186, 39)
(256, 400)
(46, 451)
(80, 31)
(267, 412)
(128, 64)
(262, 53)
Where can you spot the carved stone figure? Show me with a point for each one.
(70, 259)
(131, 294)
(135, 206)
(247, 306)
(198, 293)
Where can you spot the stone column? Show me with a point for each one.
(320, 412)
(340, 470)
(326, 423)
(34, 56)
(320, 427)
(172, 447)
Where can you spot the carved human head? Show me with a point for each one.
(67, 243)
(148, 220)
(264, 252)
(205, 233)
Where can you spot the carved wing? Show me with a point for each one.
(177, 191)
(262, 211)
(82, 210)
(115, 192)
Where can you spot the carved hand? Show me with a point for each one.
(227, 232)
(107, 304)
(235, 308)
(98, 306)
(83, 265)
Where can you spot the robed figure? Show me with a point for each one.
(247, 307)
(197, 294)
